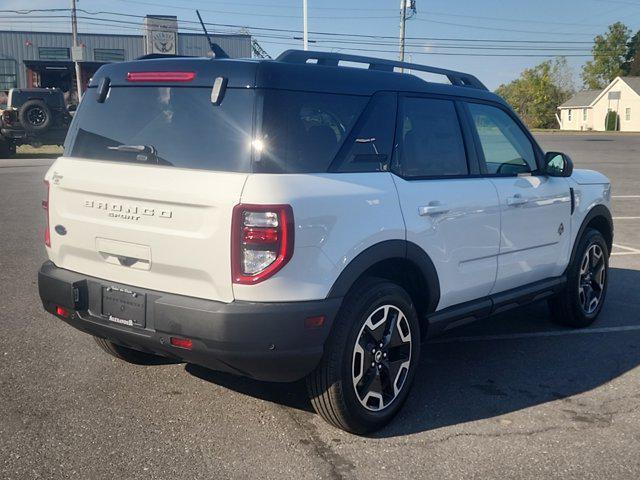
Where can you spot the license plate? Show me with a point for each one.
(124, 306)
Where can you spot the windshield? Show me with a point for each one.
(172, 126)
(296, 132)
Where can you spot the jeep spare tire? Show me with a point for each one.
(35, 116)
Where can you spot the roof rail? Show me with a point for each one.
(332, 59)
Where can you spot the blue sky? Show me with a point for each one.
(567, 24)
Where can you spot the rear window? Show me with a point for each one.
(303, 131)
(174, 126)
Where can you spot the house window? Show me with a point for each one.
(569, 115)
(53, 53)
(8, 76)
(108, 55)
(584, 114)
(627, 114)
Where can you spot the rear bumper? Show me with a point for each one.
(265, 341)
(51, 136)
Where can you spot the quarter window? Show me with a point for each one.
(430, 139)
(303, 131)
(369, 147)
(506, 148)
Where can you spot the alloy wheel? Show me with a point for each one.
(36, 116)
(381, 358)
(592, 279)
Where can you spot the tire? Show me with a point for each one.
(35, 116)
(128, 354)
(337, 387)
(581, 302)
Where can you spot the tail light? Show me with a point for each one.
(62, 312)
(182, 342)
(7, 118)
(47, 230)
(261, 241)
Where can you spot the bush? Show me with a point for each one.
(612, 121)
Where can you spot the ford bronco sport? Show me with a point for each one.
(302, 218)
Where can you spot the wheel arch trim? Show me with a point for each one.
(596, 211)
(388, 250)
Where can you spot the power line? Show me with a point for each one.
(239, 26)
(510, 20)
(272, 5)
(481, 27)
(369, 41)
(446, 53)
(477, 46)
(268, 15)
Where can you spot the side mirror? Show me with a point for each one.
(558, 164)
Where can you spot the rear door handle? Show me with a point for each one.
(516, 200)
(434, 208)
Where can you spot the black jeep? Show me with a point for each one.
(33, 116)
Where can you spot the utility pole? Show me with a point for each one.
(74, 32)
(305, 31)
(403, 21)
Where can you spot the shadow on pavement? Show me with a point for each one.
(292, 395)
(460, 382)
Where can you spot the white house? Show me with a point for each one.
(575, 113)
(587, 109)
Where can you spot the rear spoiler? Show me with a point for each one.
(240, 73)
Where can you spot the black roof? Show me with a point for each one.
(291, 71)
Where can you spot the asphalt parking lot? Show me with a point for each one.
(511, 397)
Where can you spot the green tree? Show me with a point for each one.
(609, 52)
(536, 94)
(632, 58)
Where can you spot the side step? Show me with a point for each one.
(457, 315)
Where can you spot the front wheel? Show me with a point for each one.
(370, 360)
(587, 278)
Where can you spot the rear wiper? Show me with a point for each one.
(143, 151)
(134, 148)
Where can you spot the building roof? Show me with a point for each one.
(633, 82)
(583, 98)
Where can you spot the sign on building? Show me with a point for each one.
(161, 34)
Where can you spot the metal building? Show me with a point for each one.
(44, 59)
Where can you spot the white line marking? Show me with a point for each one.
(626, 218)
(516, 336)
(625, 196)
(625, 253)
(630, 249)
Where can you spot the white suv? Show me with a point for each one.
(302, 218)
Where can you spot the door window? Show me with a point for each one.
(430, 139)
(507, 150)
